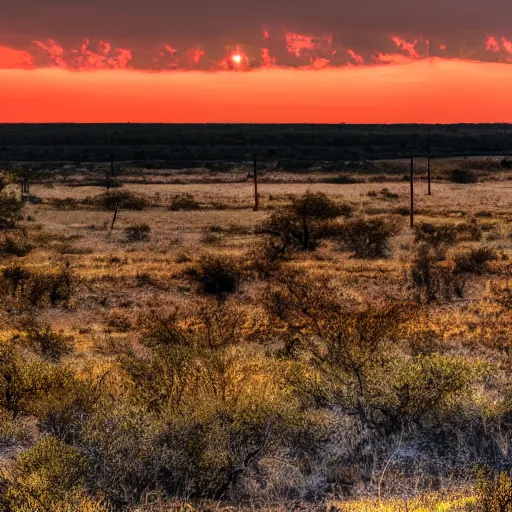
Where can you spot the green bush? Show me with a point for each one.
(421, 387)
(24, 383)
(48, 477)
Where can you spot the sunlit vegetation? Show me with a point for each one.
(192, 354)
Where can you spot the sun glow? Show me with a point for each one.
(236, 58)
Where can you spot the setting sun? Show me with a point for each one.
(236, 58)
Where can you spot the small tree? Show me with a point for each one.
(305, 222)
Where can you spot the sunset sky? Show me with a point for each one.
(268, 61)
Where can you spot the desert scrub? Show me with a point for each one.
(138, 232)
(10, 208)
(48, 476)
(216, 275)
(64, 203)
(185, 202)
(39, 288)
(42, 339)
(304, 223)
(430, 279)
(463, 176)
(368, 238)
(15, 243)
(474, 261)
(124, 199)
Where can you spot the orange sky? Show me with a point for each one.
(425, 91)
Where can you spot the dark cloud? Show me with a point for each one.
(145, 25)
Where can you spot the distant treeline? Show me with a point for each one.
(189, 143)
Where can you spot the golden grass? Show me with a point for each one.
(427, 503)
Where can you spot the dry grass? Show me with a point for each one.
(118, 280)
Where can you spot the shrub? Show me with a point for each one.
(15, 275)
(474, 261)
(124, 199)
(23, 383)
(368, 238)
(119, 321)
(343, 179)
(438, 237)
(15, 244)
(64, 203)
(501, 293)
(421, 385)
(218, 276)
(41, 288)
(506, 163)
(51, 345)
(387, 194)
(10, 208)
(47, 477)
(211, 238)
(138, 232)
(463, 176)
(493, 492)
(470, 231)
(432, 280)
(344, 342)
(185, 202)
(304, 223)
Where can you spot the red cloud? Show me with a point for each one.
(391, 58)
(491, 44)
(409, 48)
(83, 58)
(15, 59)
(300, 45)
(167, 58)
(507, 45)
(267, 61)
(358, 59)
(195, 55)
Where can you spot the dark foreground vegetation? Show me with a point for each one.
(329, 353)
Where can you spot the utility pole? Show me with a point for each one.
(429, 162)
(255, 174)
(412, 191)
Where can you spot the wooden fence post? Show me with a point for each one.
(116, 209)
